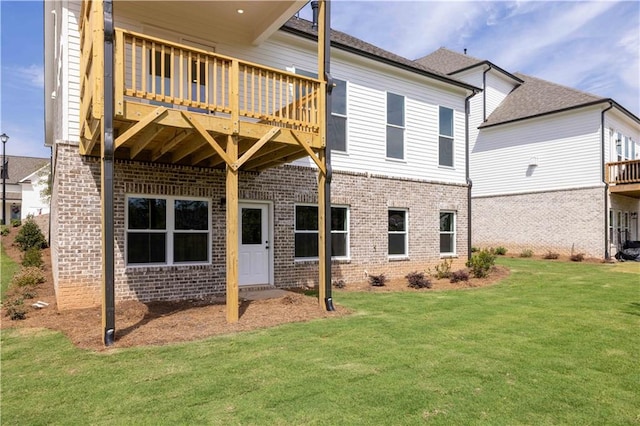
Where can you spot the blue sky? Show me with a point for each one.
(591, 46)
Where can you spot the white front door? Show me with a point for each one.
(254, 244)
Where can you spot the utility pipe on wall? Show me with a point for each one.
(607, 255)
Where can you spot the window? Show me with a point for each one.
(445, 140)
(306, 232)
(159, 71)
(338, 122)
(447, 233)
(337, 126)
(398, 233)
(167, 231)
(395, 126)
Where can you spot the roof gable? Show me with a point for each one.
(447, 61)
(21, 167)
(538, 97)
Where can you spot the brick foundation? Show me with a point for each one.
(558, 221)
(76, 226)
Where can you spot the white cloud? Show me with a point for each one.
(20, 77)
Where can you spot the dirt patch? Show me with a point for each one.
(160, 323)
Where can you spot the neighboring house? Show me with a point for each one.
(25, 180)
(552, 168)
(191, 86)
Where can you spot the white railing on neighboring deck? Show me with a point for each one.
(623, 172)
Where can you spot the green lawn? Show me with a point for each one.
(7, 269)
(556, 343)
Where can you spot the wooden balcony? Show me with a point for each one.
(177, 104)
(623, 178)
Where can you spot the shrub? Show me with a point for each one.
(4, 230)
(578, 257)
(551, 255)
(30, 236)
(526, 253)
(15, 223)
(459, 275)
(481, 262)
(32, 257)
(500, 251)
(16, 309)
(443, 270)
(339, 284)
(474, 249)
(417, 280)
(29, 276)
(377, 280)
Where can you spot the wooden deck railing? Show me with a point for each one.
(175, 75)
(623, 172)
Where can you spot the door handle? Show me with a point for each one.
(266, 245)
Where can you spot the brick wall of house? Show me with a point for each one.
(78, 229)
(557, 221)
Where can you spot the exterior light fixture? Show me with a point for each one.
(240, 11)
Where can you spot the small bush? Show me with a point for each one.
(30, 236)
(377, 280)
(339, 284)
(16, 309)
(15, 223)
(33, 257)
(526, 253)
(443, 270)
(578, 257)
(417, 280)
(4, 230)
(459, 275)
(551, 255)
(29, 276)
(474, 249)
(500, 251)
(481, 262)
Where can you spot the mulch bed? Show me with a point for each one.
(161, 323)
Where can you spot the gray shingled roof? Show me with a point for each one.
(345, 41)
(21, 167)
(447, 61)
(537, 97)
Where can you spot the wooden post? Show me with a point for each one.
(232, 233)
(232, 198)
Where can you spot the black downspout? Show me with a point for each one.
(484, 93)
(467, 111)
(328, 301)
(108, 303)
(607, 255)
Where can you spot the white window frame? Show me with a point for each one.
(405, 255)
(305, 231)
(454, 233)
(169, 230)
(345, 117)
(450, 137)
(403, 127)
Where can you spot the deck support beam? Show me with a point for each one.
(324, 157)
(232, 232)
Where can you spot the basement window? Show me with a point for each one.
(167, 231)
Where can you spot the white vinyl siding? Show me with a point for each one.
(71, 74)
(552, 152)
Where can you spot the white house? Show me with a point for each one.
(216, 110)
(553, 168)
(24, 182)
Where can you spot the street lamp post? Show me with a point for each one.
(4, 138)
